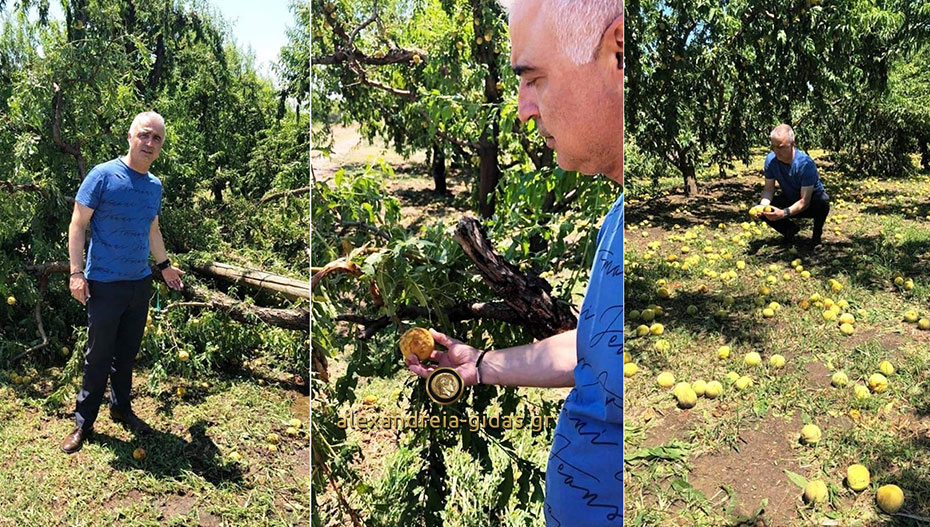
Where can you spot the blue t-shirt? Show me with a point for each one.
(802, 172)
(125, 203)
(584, 476)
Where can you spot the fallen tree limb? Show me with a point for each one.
(340, 265)
(288, 287)
(293, 319)
(283, 193)
(527, 294)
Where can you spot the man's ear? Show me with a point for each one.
(612, 41)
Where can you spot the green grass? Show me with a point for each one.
(877, 229)
(187, 477)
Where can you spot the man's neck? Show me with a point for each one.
(135, 164)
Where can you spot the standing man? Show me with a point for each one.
(802, 194)
(120, 201)
(569, 57)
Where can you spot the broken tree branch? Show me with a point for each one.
(293, 319)
(527, 294)
(284, 193)
(288, 287)
(56, 135)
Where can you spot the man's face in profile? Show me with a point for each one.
(578, 108)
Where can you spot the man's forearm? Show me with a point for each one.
(76, 238)
(548, 363)
(157, 246)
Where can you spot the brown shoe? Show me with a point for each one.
(74, 440)
(131, 421)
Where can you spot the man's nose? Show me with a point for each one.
(526, 106)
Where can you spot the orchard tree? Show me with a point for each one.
(707, 81)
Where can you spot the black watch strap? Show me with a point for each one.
(478, 365)
(164, 265)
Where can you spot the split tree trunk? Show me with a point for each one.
(527, 294)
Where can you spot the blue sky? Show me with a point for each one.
(261, 26)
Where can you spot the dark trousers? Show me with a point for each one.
(818, 209)
(116, 314)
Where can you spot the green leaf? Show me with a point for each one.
(797, 479)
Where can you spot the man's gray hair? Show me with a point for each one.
(579, 24)
(143, 117)
(782, 131)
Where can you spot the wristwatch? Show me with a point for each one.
(787, 212)
(164, 265)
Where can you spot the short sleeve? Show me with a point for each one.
(91, 190)
(769, 170)
(809, 174)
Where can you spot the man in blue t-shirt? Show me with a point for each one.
(802, 194)
(569, 57)
(120, 201)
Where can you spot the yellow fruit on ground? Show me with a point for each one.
(630, 369)
(899, 280)
(417, 341)
(805, 274)
(662, 345)
(829, 315)
(861, 392)
(886, 368)
(743, 382)
(723, 352)
(648, 315)
(878, 383)
(296, 423)
(65, 351)
(910, 316)
(752, 359)
(923, 324)
(666, 379)
(626, 358)
(183, 356)
(699, 387)
(11, 300)
(370, 399)
(839, 379)
(687, 398)
(857, 477)
(713, 390)
(291, 431)
(181, 391)
(732, 376)
(777, 361)
(847, 329)
(810, 434)
(847, 318)
(656, 329)
(890, 498)
(235, 457)
(768, 313)
(642, 330)
(815, 491)
(663, 292)
(138, 454)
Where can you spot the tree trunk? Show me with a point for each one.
(438, 169)
(688, 173)
(924, 153)
(489, 168)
